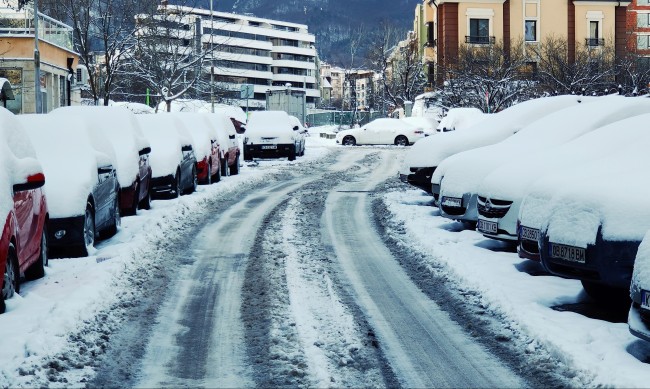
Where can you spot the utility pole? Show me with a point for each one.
(37, 64)
(212, 57)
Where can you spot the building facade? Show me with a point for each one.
(638, 24)
(452, 23)
(57, 61)
(268, 54)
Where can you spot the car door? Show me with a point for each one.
(25, 211)
(102, 194)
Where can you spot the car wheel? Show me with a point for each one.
(146, 201)
(89, 230)
(195, 181)
(117, 220)
(349, 141)
(234, 170)
(11, 279)
(136, 197)
(208, 179)
(37, 269)
(178, 184)
(607, 294)
(401, 140)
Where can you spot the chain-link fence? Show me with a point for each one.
(341, 118)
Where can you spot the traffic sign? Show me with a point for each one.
(247, 91)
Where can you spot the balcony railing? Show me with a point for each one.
(592, 42)
(50, 30)
(480, 40)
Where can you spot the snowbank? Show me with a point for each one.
(460, 119)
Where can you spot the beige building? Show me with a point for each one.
(57, 60)
(451, 23)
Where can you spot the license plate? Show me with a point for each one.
(568, 253)
(486, 226)
(269, 147)
(528, 233)
(645, 299)
(452, 202)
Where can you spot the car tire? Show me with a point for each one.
(195, 181)
(208, 179)
(401, 140)
(37, 269)
(225, 169)
(349, 141)
(292, 154)
(116, 222)
(178, 184)
(234, 170)
(217, 175)
(248, 157)
(11, 277)
(146, 202)
(606, 294)
(89, 232)
(134, 207)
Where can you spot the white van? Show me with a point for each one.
(271, 134)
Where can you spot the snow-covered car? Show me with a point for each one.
(228, 143)
(81, 186)
(205, 143)
(382, 131)
(427, 124)
(132, 150)
(590, 218)
(460, 119)
(271, 134)
(501, 192)
(173, 164)
(464, 172)
(23, 244)
(424, 157)
(301, 133)
(236, 115)
(638, 318)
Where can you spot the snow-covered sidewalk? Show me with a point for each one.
(599, 352)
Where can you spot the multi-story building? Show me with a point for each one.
(590, 23)
(638, 24)
(268, 54)
(57, 60)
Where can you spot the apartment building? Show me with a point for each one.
(638, 24)
(590, 23)
(269, 54)
(349, 88)
(57, 60)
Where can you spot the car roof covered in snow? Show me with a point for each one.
(167, 135)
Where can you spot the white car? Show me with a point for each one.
(639, 317)
(383, 131)
(271, 134)
(301, 133)
(462, 174)
(501, 192)
(427, 124)
(424, 157)
(459, 119)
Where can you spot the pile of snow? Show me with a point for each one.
(459, 119)
(167, 135)
(202, 106)
(137, 108)
(70, 162)
(427, 124)
(202, 130)
(268, 122)
(464, 172)
(122, 130)
(641, 273)
(431, 151)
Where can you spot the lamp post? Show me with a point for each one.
(211, 56)
(37, 64)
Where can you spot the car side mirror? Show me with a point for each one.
(186, 148)
(105, 170)
(145, 151)
(33, 182)
(296, 128)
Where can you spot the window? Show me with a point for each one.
(593, 29)
(479, 30)
(642, 2)
(430, 36)
(531, 30)
(643, 20)
(643, 42)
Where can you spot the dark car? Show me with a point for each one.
(23, 244)
(82, 183)
(173, 162)
(131, 157)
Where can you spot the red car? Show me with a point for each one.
(205, 144)
(228, 128)
(23, 244)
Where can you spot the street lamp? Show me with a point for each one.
(37, 64)
(211, 56)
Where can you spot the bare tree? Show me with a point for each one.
(351, 64)
(591, 70)
(103, 34)
(634, 74)
(168, 56)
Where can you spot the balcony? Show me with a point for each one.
(480, 40)
(20, 23)
(594, 42)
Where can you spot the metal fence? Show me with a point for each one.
(341, 118)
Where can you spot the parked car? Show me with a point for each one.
(271, 134)
(594, 219)
(639, 317)
(427, 124)
(173, 164)
(301, 133)
(81, 187)
(382, 131)
(501, 192)
(132, 150)
(227, 136)
(23, 206)
(463, 173)
(459, 119)
(424, 157)
(205, 143)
